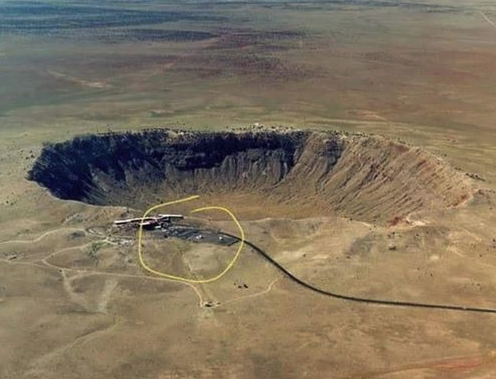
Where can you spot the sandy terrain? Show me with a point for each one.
(74, 302)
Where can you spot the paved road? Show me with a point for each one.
(391, 303)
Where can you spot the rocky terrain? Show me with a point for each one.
(359, 176)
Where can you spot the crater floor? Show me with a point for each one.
(364, 177)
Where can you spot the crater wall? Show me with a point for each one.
(364, 177)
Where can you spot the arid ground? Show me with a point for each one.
(74, 301)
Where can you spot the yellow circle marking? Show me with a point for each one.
(180, 278)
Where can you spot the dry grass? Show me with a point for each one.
(422, 74)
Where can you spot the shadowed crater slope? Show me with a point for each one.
(365, 177)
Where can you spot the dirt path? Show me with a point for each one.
(257, 294)
(491, 22)
(46, 234)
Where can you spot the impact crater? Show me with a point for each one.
(364, 177)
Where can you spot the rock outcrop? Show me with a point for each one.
(364, 177)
